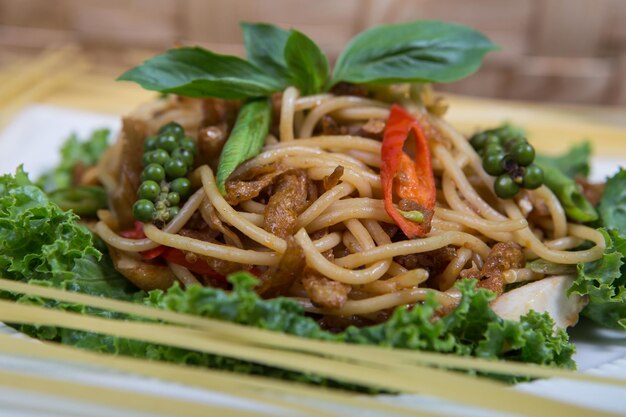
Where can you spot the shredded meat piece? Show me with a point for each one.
(329, 126)
(216, 111)
(220, 266)
(286, 203)
(348, 89)
(211, 218)
(145, 275)
(592, 191)
(373, 129)
(333, 179)
(324, 292)
(503, 256)
(250, 184)
(128, 171)
(434, 261)
(278, 279)
(211, 140)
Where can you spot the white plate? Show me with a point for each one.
(34, 138)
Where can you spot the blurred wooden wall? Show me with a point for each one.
(552, 50)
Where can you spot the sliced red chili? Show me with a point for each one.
(199, 266)
(137, 233)
(411, 180)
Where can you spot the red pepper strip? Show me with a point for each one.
(199, 266)
(137, 233)
(415, 180)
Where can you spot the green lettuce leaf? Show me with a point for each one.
(612, 207)
(605, 285)
(75, 151)
(37, 239)
(41, 244)
(573, 163)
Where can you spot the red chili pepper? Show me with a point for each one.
(198, 266)
(170, 254)
(414, 180)
(137, 233)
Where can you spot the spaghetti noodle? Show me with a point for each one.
(343, 233)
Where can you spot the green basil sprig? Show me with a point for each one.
(264, 45)
(196, 72)
(430, 51)
(420, 51)
(307, 63)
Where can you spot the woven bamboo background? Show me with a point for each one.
(553, 50)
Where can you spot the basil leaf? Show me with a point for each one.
(196, 72)
(265, 44)
(307, 63)
(424, 50)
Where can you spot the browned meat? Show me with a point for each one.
(390, 229)
(128, 171)
(592, 191)
(286, 203)
(331, 180)
(348, 89)
(249, 185)
(373, 129)
(278, 279)
(434, 261)
(145, 275)
(503, 256)
(325, 293)
(216, 111)
(211, 218)
(220, 266)
(329, 126)
(211, 140)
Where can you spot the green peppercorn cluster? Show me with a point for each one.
(508, 156)
(167, 159)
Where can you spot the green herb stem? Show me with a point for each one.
(84, 201)
(576, 206)
(246, 139)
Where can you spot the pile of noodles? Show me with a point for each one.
(468, 217)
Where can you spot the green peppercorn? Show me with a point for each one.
(149, 190)
(150, 143)
(492, 164)
(493, 150)
(523, 153)
(173, 198)
(160, 156)
(143, 210)
(182, 186)
(185, 155)
(174, 129)
(478, 140)
(167, 142)
(146, 159)
(189, 144)
(492, 139)
(533, 177)
(505, 187)
(175, 168)
(154, 172)
(173, 211)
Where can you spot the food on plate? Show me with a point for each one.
(335, 206)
